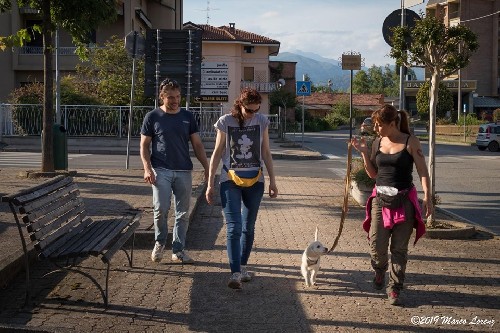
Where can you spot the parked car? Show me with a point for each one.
(488, 136)
(366, 127)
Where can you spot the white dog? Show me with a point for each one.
(310, 260)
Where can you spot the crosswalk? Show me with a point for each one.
(333, 157)
(26, 159)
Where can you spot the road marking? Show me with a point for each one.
(338, 171)
(21, 159)
(332, 157)
(480, 158)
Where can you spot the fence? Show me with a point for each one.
(97, 120)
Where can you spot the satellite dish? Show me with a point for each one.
(394, 20)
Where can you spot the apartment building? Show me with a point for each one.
(243, 59)
(22, 65)
(481, 78)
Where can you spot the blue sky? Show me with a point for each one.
(325, 27)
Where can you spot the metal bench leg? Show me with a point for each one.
(27, 295)
(104, 293)
(107, 279)
(130, 257)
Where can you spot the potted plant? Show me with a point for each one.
(361, 184)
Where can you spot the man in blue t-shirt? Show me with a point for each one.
(167, 130)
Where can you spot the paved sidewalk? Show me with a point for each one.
(452, 285)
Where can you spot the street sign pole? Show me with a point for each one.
(303, 88)
(303, 123)
(188, 90)
(401, 68)
(134, 45)
(351, 61)
(131, 99)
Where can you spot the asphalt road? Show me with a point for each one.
(467, 180)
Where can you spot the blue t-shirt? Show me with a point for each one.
(170, 135)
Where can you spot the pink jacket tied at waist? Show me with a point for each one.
(397, 215)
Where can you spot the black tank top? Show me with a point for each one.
(394, 169)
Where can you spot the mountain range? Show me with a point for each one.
(320, 69)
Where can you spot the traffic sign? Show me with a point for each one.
(394, 20)
(351, 62)
(134, 44)
(167, 54)
(303, 88)
(214, 82)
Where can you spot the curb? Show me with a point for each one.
(466, 223)
(276, 155)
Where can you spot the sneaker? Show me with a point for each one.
(379, 281)
(183, 257)
(235, 281)
(245, 275)
(157, 253)
(393, 297)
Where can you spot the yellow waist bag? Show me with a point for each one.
(242, 181)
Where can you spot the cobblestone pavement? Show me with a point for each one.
(451, 285)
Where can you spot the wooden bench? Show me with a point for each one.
(56, 223)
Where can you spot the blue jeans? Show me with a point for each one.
(180, 184)
(240, 219)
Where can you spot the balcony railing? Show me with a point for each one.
(265, 87)
(64, 51)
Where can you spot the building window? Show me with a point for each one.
(93, 37)
(249, 49)
(248, 74)
(36, 37)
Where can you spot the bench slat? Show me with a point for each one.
(42, 191)
(60, 225)
(34, 215)
(48, 198)
(75, 225)
(88, 238)
(134, 224)
(46, 220)
(13, 196)
(51, 249)
(113, 230)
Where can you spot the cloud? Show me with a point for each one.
(325, 27)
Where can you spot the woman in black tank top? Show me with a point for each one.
(390, 162)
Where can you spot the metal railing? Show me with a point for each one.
(265, 87)
(98, 120)
(38, 50)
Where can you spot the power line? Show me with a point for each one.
(478, 18)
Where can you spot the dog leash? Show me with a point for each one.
(345, 205)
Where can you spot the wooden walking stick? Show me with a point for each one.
(345, 205)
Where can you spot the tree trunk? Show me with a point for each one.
(48, 103)
(434, 89)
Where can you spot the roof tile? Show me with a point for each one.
(227, 33)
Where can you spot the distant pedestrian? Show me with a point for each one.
(167, 130)
(393, 209)
(243, 145)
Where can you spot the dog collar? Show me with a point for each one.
(311, 261)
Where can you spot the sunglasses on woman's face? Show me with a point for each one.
(251, 110)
